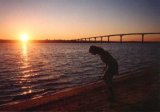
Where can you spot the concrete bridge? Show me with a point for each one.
(94, 39)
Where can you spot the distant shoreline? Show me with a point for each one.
(72, 41)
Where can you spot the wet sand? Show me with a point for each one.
(136, 91)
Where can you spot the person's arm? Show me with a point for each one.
(104, 71)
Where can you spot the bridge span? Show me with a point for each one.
(94, 39)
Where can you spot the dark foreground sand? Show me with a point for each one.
(136, 91)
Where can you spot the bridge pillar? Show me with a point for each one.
(142, 38)
(95, 39)
(121, 36)
(101, 39)
(108, 38)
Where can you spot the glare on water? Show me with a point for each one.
(25, 76)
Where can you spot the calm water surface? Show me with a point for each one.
(36, 69)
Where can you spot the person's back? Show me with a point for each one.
(110, 62)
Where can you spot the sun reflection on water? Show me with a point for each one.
(24, 55)
(25, 72)
(25, 50)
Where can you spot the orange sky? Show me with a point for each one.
(63, 19)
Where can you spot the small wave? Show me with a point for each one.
(27, 95)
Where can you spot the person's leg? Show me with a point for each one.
(110, 86)
(108, 79)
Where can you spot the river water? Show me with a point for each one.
(39, 69)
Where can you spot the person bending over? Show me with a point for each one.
(111, 68)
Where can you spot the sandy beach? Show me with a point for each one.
(136, 91)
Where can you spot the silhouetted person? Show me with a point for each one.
(111, 68)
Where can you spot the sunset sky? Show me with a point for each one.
(71, 19)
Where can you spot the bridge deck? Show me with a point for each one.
(120, 35)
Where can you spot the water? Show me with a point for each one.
(36, 69)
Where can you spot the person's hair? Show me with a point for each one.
(95, 49)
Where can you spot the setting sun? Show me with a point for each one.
(24, 37)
